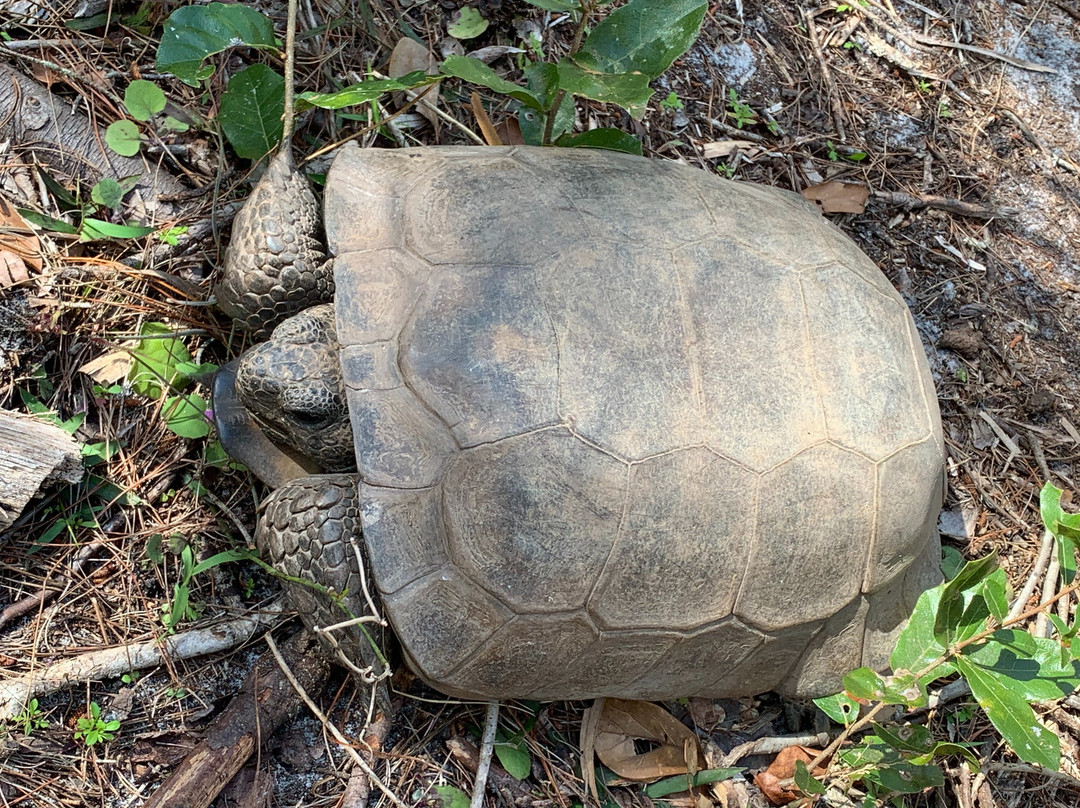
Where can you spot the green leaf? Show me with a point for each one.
(155, 362)
(185, 415)
(123, 138)
(629, 90)
(468, 25)
(143, 99)
(807, 783)
(452, 797)
(542, 79)
(224, 557)
(909, 778)
(681, 782)
(193, 33)
(952, 560)
(107, 193)
(174, 125)
(47, 222)
(841, 708)
(916, 647)
(1012, 716)
(469, 69)
(251, 110)
(962, 610)
(558, 6)
(515, 758)
(644, 36)
(1064, 526)
(1032, 665)
(603, 138)
(363, 92)
(908, 738)
(865, 684)
(96, 230)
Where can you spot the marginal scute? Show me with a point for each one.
(404, 532)
(442, 620)
(689, 517)
(532, 518)
(371, 367)
(375, 292)
(815, 520)
(838, 646)
(767, 667)
(482, 353)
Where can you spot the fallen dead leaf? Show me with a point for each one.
(622, 722)
(409, 56)
(16, 236)
(835, 196)
(12, 269)
(783, 768)
(108, 368)
(487, 128)
(509, 132)
(721, 149)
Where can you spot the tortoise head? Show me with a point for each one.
(292, 387)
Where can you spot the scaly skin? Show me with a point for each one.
(275, 265)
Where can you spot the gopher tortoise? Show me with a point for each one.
(617, 427)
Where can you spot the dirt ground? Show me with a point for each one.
(961, 118)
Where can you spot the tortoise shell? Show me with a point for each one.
(625, 428)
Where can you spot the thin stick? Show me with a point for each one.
(341, 739)
(491, 723)
(1033, 578)
(290, 71)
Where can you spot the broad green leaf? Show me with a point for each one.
(952, 561)
(469, 69)
(603, 138)
(908, 738)
(193, 33)
(47, 222)
(468, 25)
(251, 110)
(558, 6)
(452, 797)
(909, 778)
(155, 361)
(1064, 526)
(628, 90)
(107, 192)
(363, 92)
(916, 647)
(865, 684)
(514, 757)
(841, 708)
(949, 749)
(123, 138)
(185, 415)
(1029, 666)
(807, 783)
(996, 591)
(143, 99)
(1012, 716)
(644, 36)
(95, 229)
(542, 79)
(680, 782)
(224, 557)
(962, 607)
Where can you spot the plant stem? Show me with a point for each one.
(587, 7)
(290, 70)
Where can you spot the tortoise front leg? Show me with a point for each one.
(275, 264)
(310, 532)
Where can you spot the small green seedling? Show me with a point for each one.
(181, 608)
(671, 102)
(740, 112)
(30, 718)
(92, 729)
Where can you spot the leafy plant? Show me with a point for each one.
(180, 607)
(962, 627)
(740, 111)
(611, 63)
(106, 194)
(92, 729)
(30, 718)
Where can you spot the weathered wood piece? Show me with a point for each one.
(32, 453)
(263, 703)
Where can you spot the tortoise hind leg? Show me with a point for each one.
(275, 264)
(310, 531)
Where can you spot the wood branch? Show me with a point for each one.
(266, 699)
(111, 662)
(53, 135)
(33, 453)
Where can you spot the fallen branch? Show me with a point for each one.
(110, 662)
(955, 206)
(265, 700)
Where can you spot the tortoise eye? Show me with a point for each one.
(308, 419)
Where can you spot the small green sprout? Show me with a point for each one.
(91, 729)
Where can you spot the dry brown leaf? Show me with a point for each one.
(622, 722)
(509, 132)
(12, 269)
(720, 149)
(408, 56)
(587, 744)
(16, 236)
(835, 196)
(487, 128)
(108, 368)
(783, 768)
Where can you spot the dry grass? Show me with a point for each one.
(932, 120)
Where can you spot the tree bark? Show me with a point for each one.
(32, 453)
